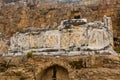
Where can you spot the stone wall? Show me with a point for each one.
(74, 33)
(48, 39)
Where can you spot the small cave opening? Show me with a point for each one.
(55, 72)
(77, 17)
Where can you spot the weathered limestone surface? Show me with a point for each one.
(95, 67)
(76, 33)
(3, 44)
(48, 39)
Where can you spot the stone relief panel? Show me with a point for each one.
(94, 36)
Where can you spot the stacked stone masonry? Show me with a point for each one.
(78, 34)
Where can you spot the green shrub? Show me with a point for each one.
(118, 50)
(29, 54)
(44, 11)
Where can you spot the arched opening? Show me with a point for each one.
(54, 73)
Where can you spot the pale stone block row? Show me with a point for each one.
(96, 36)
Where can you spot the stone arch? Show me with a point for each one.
(54, 72)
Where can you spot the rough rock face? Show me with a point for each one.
(14, 18)
(76, 34)
(98, 67)
(51, 15)
(3, 44)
